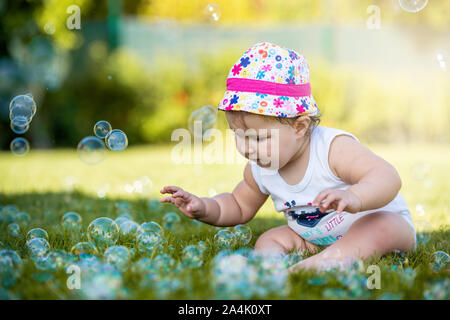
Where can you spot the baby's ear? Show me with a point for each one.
(301, 125)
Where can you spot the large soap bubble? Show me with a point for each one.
(116, 140)
(103, 232)
(91, 150)
(102, 128)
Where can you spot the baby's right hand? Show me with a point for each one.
(190, 205)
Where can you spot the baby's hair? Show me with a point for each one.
(315, 120)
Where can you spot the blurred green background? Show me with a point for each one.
(146, 65)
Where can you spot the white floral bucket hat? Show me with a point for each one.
(270, 80)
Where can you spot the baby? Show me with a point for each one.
(334, 192)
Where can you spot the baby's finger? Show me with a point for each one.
(166, 199)
(320, 197)
(170, 189)
(181, 194)
(329, 199)
(341, 206)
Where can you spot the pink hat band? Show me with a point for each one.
(268, 87)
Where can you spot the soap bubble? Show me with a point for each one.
(242, 233)
(49, 28)
(440, 260)
(116, 140)
(91, 150)
(22, 107)
(224, 239)
(37, 247)
(54, 260)
(103, 232)
(10, 267)
(423, 228)
(19, 127)
(19, 146)
(22, 219)
(14, 230)
(120, 220)
(71, 221)
(37, 233)
(154, 205)
(122, 207)
(413, 5)
(102, 128)
(212, 12)
(84, 248)
(192, 256)
(201, 120)
(118, 256)
(129, 230)
(149, 241)
(151, 227)
(171, 221)
(163, 263)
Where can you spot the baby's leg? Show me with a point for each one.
(373, 235)
(281, 240)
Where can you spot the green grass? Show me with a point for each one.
(39, 184)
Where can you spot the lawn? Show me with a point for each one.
(47, 184)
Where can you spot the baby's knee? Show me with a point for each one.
(284, 237)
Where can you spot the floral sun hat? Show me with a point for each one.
(270, 80)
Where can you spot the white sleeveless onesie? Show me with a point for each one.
(295, 200)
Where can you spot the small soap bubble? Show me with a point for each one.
(102, 128)
(49, 28)
(19, 146)
(163, 263)
(71, 221)
(201, 121)
(224, 239)
(149, 241)
(423, 229)
(116, 140)
(243, 234)
(11, 267)
(151, 226)
(84, 248)
(129, 230)
(91, 150)
(171, 221)
(14, 230)
(37, 247)
(103, 232)
(122, 207)
(192, 257)
(118, 256)
(213, 12)
(412, 5)
(120, 220)
(19, 127)
(440, 260)
(22, 106)
(22, 219)
(154, 205)
(37, 233)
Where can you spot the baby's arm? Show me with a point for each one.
(225, 209)
(374, 180)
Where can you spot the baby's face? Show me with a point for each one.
(269, 143)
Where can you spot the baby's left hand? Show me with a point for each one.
(338, 200)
